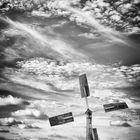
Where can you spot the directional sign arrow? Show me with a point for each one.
(61, 119)
(115, 106)
(84, 86)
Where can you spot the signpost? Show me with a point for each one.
(115, 106)
(61, 119)
(91, 133)
(84, 94)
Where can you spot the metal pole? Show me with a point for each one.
(87, 106)
(89, 132)
(85, 93)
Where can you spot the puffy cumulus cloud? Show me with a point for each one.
(41, 66)
(114, 14)
(18, 123)
(120, 123)
(43, 105)
(46, 106)
(49, 75)
(132, 73)
(57, 76)
(52, 75)
(10, 100)
(29, 112)
(10, 121)
(119, 15)
(41, 13)
(87, 18)
(28, 126)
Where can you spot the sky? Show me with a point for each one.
(41, 60)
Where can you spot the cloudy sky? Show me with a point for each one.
(42, 55)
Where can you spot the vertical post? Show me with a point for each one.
(86, 100)
(84, 94)
(89, 132)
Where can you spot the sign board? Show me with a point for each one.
(115, 106)
(61, 119)
(95, 134)
(84, 86)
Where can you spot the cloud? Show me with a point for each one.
(48, 67)
(10, 100)
(46, 42)
(132, 73)
(28, 126)
(41, 14)
(20, 124)
(33, 113)
(10, 32)
(10, 121)
(2, 37)
(87, 17)
(11, 54)
(50, 75)
(88, 35)
(120, 123)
